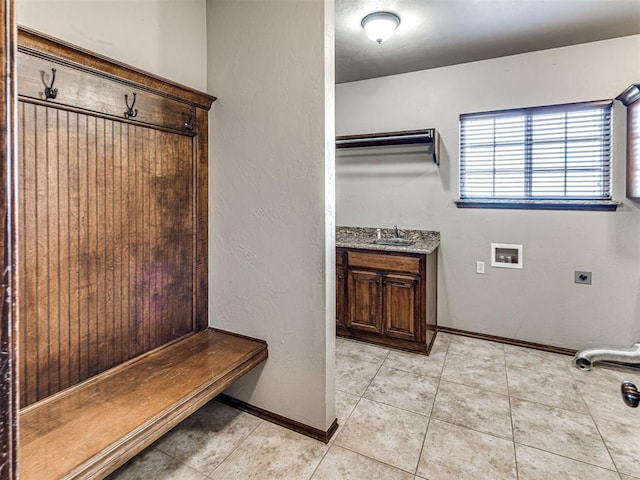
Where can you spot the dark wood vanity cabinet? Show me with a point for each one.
(364, 307)
(401, 306)
(389, 297)
(341, 286)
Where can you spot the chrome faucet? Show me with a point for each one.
(396, 234)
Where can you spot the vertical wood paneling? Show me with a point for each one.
(124, 241)
(152, 233)
(89, 267)
(141, 286)
(62, 204)
(83, 294)
(150, 267)
(71, 261)
(78, 217)
(108, 230)
(50, 224)
(201, 221)
(116, 232)
(137, 244)
(163, 330)
(41, 334)
(130, 271)
(107, 173)
(99, 265)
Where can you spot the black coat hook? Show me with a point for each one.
(49, 91)
(187, 125)
(130, 113)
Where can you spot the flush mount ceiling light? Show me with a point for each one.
(380, 25)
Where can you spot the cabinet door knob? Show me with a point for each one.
(339, 277)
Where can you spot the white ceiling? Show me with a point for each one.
(435, 33)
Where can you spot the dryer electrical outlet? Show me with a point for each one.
(583, 278)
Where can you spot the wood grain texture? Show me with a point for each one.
(113, 216)
(341, 291)
(8, 242)
(402, 306)
(88, 431)
(97, 94)
(430, 292)
(390, 298)
(201, 238)
(384, 261)
(49, 48)
(107, 215)
(364, 305)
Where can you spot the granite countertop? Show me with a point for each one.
(424, 241)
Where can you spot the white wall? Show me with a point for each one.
(539, 303)
(271, 196)
(164, 37)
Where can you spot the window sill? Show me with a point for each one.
(593, 205)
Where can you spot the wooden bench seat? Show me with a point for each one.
(90, 430)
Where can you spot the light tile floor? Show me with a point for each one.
(471, 410)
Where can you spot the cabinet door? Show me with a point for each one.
(365, 301)
(341, 285)
(401, 306)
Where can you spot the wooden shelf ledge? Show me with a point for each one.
(428, 137)
(90, 430)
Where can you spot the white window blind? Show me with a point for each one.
(560, 152)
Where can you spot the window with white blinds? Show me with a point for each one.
(560, 152)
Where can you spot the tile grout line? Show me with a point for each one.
(435, 396)
(260, 422)
(414, 473)
(360, 397)
(180, 461)
(587, 414)
(513, 430)
(129, 463)
(569, 458)
(595, 423)
(401, 408)
(512, 397)
(604, 442)
(433, 377)
(473, 429)
(332, 443)
(559, 407)
(508, 396)
(377, 460)
(329, 447)
(429, 377)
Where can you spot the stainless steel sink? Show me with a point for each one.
(396, 241)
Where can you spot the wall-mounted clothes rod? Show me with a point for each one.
(428, 137)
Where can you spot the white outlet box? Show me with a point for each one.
(506, 255)
(479, 267)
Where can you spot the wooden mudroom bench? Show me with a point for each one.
(89, 430)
